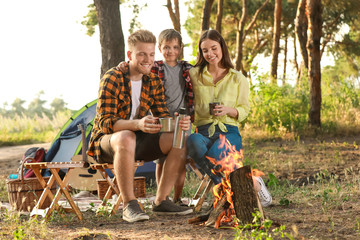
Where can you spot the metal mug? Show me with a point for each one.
(167, 124)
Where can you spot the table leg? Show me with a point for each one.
(63, 188)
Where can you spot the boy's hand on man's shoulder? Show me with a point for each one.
(123, 67)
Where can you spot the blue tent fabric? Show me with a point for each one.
(68, 141)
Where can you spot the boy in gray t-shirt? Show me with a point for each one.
(178, 89)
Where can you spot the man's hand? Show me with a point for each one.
(149, 124)
(184, 123)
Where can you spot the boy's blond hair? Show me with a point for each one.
(144, 36)
(170, 34)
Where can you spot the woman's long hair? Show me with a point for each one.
(214, 35)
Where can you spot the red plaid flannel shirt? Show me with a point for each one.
(114, 103)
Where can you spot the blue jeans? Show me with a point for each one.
(200, 145)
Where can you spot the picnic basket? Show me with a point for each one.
(139, 187)
(23, 193)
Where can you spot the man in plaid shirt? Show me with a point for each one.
(126, 128)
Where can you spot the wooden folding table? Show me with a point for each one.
(54, 168)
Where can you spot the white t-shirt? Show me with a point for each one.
(135, 98)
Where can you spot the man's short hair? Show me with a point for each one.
(144, 36)
(168, 35)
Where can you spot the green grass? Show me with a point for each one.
(20, 130)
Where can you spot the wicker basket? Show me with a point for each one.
(139, 187)
(24, 193)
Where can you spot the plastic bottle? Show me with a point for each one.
(13, 176)
(179, 134)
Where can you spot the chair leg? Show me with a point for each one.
(112, 185)
(201, 188)
(204, 188)
(203, 196)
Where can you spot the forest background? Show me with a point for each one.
(291, 38)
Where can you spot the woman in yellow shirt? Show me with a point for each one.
(214, 79)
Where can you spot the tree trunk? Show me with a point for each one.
(205, 24)
(219, 15)
(301, 26)
(175, 19)
(276, 41)
(111, 35)
(174, 16)
(239, 37)
(314, 10)
(285, 59)
(295, 57)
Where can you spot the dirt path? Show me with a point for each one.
(10, 156)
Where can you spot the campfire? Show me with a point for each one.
(236, 195)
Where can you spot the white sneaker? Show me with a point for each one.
(263, 193)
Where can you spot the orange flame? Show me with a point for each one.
(230, 160)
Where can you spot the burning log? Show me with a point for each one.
(244, 197)
(235, 195)
(217, 212)
(243, 201)
(199, 219)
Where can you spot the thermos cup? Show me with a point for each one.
(179, 134)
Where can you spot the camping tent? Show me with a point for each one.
(67, 142)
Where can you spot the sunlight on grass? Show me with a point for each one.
(26, 130)
(19, 227)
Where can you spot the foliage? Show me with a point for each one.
(22, 129)
(34, 124)
(341, 96)
(134, 23)
(35, 108)
(284, 109)
(3, 190)
(232, 12)
(90, 20)
(278, 109)
(337, 15)
(22, 228)
(261, 230)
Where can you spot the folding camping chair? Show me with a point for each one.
(203, 189)
(102, 169)
(113, 188)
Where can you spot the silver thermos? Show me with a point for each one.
(179, 134)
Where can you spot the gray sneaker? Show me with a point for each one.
(179, 202)
(168, 207)
(133, 212)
